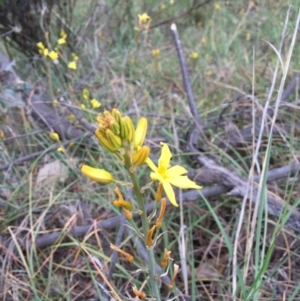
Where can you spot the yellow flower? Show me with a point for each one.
(72, 65)
(169, 176)
(61, 149)
(63, 37)
(61, 41)
(54, 136)
(86, 94)
(82, 106)
(42, 49)
(144, 18)
(53, 55)
(217, 6)
(63, 34)
(98, 175)
(194, 55)
(72, 117)
(155, 52)
(95, 103)
(75, 57)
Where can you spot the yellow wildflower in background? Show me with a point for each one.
(75, 57)
(72, 65)
(83, 106)
(54, 136)
(85, 94)
(194, 55)
(61, 149)
(62, 39)
(169, 176)
(217, 6)
(72, 117)
(144, 18)
(53, 55)
(155, 52)
(42, 49)
(95, 103)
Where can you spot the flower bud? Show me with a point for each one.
(104, 142)
(140, 132)
(130, 126)
(115, 128)
(98, 175)
(141, 156)
(115, 140)
(116, 114)
(124, 129)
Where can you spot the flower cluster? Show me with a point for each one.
(94, 102)
(116, 134)
(55, 52)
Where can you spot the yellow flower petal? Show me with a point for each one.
(183, 182)
(166, 155)
(175, 171)
(170, 193)
(98, 175)
(151, 164)
(156, 176)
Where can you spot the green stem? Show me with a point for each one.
(141, 203)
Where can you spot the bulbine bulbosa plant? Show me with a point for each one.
(117, 134)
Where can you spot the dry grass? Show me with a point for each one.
(231, 79)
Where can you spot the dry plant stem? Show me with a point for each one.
(187, 85)
(141, 203)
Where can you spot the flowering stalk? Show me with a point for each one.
(145, 225)
(116, 133)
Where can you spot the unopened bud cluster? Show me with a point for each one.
(117, 134)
